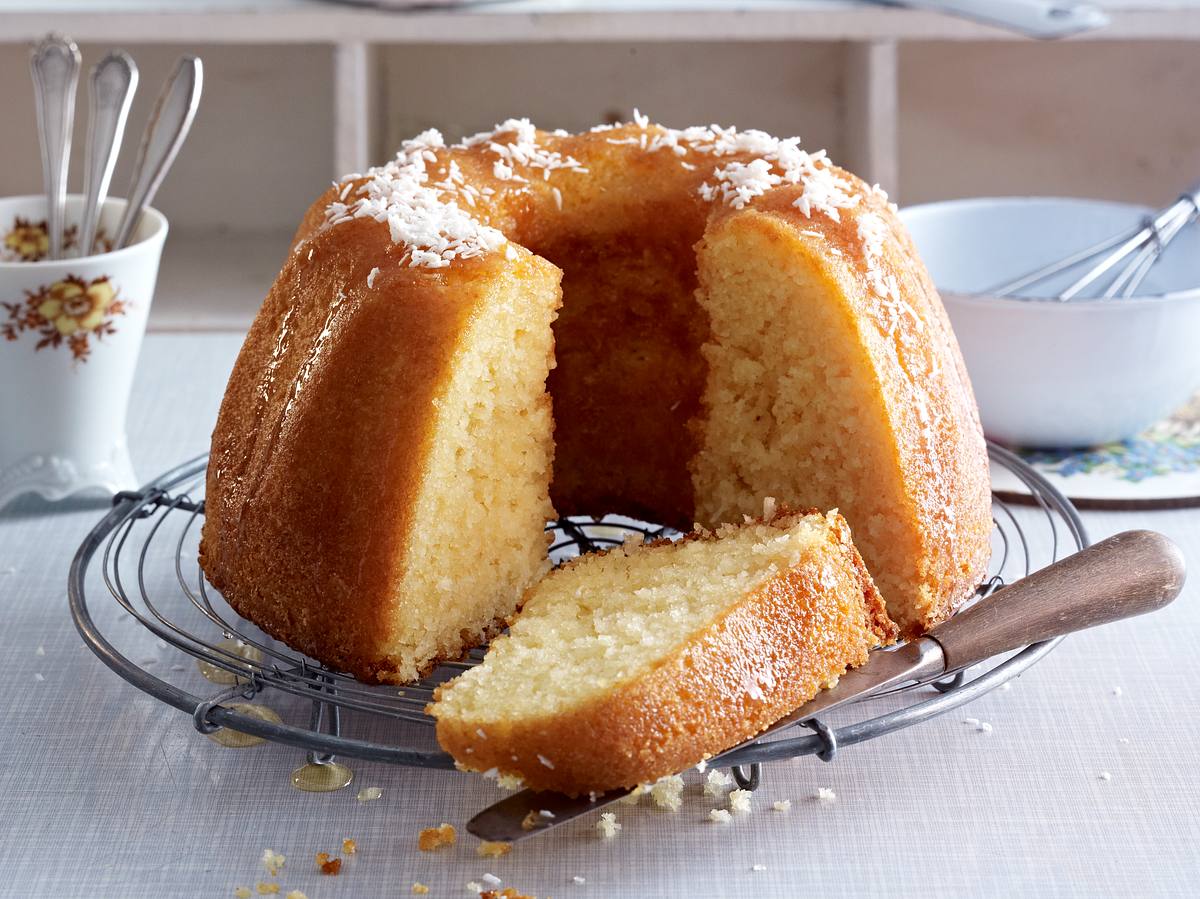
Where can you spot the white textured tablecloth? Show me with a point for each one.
(106, 792)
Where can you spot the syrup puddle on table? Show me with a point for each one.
(314, 778)
(311, 777)
(235, 739)
(223, 676)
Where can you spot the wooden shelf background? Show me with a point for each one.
(300, 91)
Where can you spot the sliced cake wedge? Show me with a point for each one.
(627, 666)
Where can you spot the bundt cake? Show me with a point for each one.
(739, 318)
(631, 665)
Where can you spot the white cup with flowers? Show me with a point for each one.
(70, 333)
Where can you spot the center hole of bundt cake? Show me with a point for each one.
(629, 374)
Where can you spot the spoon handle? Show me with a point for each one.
(165, 132)
(113, 82)
(55, 68)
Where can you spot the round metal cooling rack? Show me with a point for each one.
(146, 548)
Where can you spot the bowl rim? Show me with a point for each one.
(1192, 293)
(159, 232)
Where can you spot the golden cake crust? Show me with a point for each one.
(805, 626)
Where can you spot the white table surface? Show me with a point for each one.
(105, 792)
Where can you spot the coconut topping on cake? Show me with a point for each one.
(419, 215)
(434, 220)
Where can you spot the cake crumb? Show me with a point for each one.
(491, 880)
(530, 821)
(984, 727)
(328, 865)
(782, 805)
(1104, 775)
(702, 767)
(1123, 740)
(490, 849)
(241, 892)
(668, 792)
(433, 838)
(39, 677)
(1117, 691)
(510, 782)
(371, 276)
(545, 813)
(608, 825)
(272, 861)
(349, 847)
(824, 794)
(295, 894)
(263, 888)
(758, 867)
(739, 801)
(578, 881)
(473, 887)
(715, 784)
(369, 794)
(719, 816)
(419, 889)
(40, 651)
(634, 796)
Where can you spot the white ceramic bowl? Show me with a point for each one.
(1053, 374)
(70, 333)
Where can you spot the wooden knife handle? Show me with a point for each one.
(1128, 574)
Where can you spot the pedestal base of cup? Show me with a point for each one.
(54, 477)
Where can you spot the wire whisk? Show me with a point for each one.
(1125, 259)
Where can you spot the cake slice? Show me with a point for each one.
(627, 666)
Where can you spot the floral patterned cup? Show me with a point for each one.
(70, 333)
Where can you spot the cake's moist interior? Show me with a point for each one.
(616, 615)
(800, 415)
(486, 476)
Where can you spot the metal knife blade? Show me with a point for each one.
(527, 812)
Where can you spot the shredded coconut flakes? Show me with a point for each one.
(433, 227)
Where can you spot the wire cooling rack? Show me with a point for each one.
(142, 554)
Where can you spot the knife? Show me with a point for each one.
(1128, 574)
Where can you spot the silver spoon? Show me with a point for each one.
(55, 68)
(164, 135)
(113, 82)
